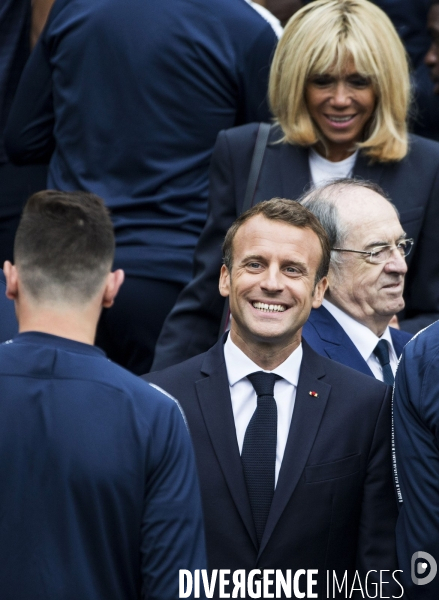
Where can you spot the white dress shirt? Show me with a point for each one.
(244, 399)
(364, 339)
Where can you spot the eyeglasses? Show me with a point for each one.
(381, 254)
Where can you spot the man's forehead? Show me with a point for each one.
(259, 230)
(372, 231)
(364, 205)
(260, 224)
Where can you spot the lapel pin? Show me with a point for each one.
(314, 394)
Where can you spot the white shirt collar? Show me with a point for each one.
(239, 365)
(269, 17)
(362, 337)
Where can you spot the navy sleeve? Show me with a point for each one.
(416, 422)
(172, 525)
(29, 130)
(254, 77)
(192, 326)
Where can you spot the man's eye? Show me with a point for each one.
(254, 265)
(293, 271)
(379, 251)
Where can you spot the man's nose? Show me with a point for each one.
(272, 280)
(396, 263)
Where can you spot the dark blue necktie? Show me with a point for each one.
(258, 454)
(382, 353)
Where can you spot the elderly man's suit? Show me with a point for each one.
(334, 505)
(326, 336)
(412, 184)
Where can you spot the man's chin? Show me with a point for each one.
(392, 309)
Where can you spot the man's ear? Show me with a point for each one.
(112, 286)
(224, 282)
(319, 292)
(11, 277)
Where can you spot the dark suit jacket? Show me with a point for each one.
(412, 184)
(334, 505)
(327, 337)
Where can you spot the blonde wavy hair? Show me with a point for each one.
(321, 38)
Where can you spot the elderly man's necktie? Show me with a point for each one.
(382, 353)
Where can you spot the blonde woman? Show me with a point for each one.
(339, 91)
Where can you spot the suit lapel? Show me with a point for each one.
(335, 341)
(364, 169)
(349, 357)
(307, 414)
(295, 173)
(285, 170)
(216, 407)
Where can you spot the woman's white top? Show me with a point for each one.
(323, 170)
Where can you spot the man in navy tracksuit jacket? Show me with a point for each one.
(98, 490)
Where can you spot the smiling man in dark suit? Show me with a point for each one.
(366, 278)
(293, 449)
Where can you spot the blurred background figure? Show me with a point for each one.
(410, 20)
(126, 100)
(432, 57)
(21, 22)
(340, 93)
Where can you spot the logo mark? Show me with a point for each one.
(424, 568)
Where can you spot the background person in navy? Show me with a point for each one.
(432, 56)
(20, 20)
(98, 495)
(366, 278)
(416, 418)
(130, 98)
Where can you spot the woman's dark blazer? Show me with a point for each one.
(412, 184)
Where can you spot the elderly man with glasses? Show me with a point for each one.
(366, 278)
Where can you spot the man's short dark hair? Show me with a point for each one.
(285, 211)
(64, 246)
